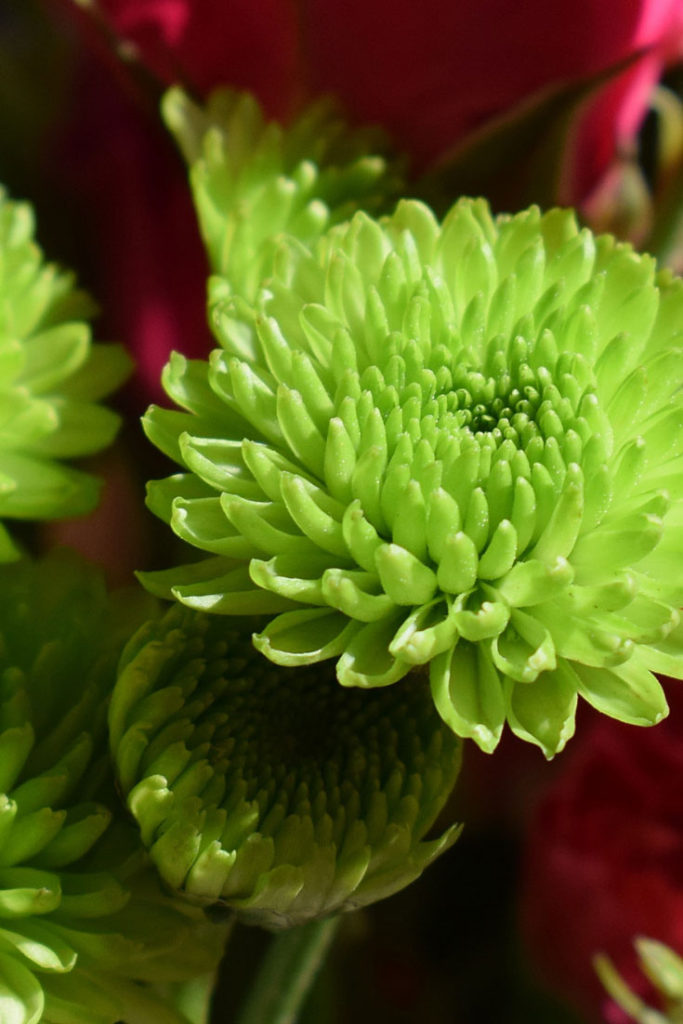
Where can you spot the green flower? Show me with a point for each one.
(449, 448)
(51, 378)
(82, 919)
(663, 968)
(270, 790)
(252, 180)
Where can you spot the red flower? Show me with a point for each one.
(430, 77)
(605, 858)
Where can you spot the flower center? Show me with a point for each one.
(292, 732)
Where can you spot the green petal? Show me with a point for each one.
(666, 655)
(45, 491)
(405, 579)
(426, 632)
(468, 694)
(524, 650)
(356, 594)
(21, 996)
(230, 594)
(543, 712)
(534, 582)
(629, 693)
(367, 661)
(303, 637)
(41, 944)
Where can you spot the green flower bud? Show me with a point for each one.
(82, 918)
(51, 378)
(270, 790)
(455, 445)
(663, 968)
(253, 180)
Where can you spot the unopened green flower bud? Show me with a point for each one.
(457, 445)
(272, 790)
(85, 931)
(254, 180)
(51, 380)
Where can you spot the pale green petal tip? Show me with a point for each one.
(664, 969)
(51, 380)
(254, 181)
(272, 790)
(454, 445)
(85, 930)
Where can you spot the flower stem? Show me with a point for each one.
(287, 973)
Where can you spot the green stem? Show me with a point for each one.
(287, 973)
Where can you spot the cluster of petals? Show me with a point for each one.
(51, 379)
(86, 932)
(453, 446)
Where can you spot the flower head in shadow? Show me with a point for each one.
(85, 930)
(51, 380)
(273, 790)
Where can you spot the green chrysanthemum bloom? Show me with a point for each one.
(455, 446)
(252, 180)
(663, 968)
(83, 921)
(51, 378)
(272, 790)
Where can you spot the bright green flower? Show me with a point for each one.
(272, 790)
(664, 968)
(82, 917)
(51, 378)
(253, 180)
(457, 446)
